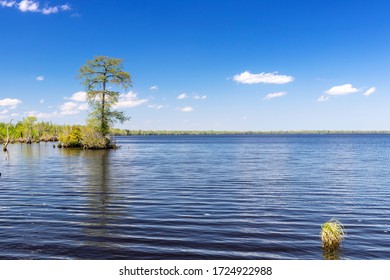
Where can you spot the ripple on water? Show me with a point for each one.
(203, 197)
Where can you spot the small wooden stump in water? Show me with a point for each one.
(5, 145)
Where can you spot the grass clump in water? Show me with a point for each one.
(332, 233)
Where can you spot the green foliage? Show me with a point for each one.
(229, 132)
(29, 128)
(332, 233)
(92, 139)
(70, 137)
(98, 75)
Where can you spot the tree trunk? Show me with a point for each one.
(5, 145)
(103, 114)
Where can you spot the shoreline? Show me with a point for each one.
(276, 132)
(218, 132)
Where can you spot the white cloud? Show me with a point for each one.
(83, 107)
(199, 97)
(69, 108)
(33, 6)
(344, 90)
(72, 108)
(9, 102)
(50, 10)
(8, 4)
(186, 109)
(265, 78)
(182, 96)
(3, 112)
(370, 91)
(154, 88)
(41, 115)
(323, 98)
(28, 6)
(155, 106)
(65, 7)
(40, 78)
(129, 100)
(42, 101)
(79, 96)
(341, 90)
(274, 95)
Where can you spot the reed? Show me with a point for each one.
(332, 234)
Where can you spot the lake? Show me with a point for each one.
(197, 197)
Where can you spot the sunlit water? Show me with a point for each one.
(197, 197)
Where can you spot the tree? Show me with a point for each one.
(28, 124)
(99, 75)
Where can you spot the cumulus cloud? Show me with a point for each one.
(28, 6)
(42, 101)
(274, 95)
(370, 91)
(34, 6)
(182, 96)
(8, 4)
(50, 10)
(80, 96)
(199, 96)
(41, 115)
(129, 100)
(69, 108)
(342, 90)
(65, 7)
(10, 102)
(40, 78)
(82, 107)
(72, 108)
(154, 88)
(265, 78)
(186, 109)
(155, 106)
(76, 105)
(323, 98)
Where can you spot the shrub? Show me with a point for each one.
(70, 137)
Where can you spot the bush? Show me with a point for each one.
(70, 137)
(92, 139)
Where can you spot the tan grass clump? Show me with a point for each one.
(332, 233)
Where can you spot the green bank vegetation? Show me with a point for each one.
(220, 132)
(30, 130)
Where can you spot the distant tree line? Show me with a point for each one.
(229, 132)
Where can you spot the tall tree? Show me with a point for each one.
(99, 76)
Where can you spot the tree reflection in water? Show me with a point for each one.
(101, 207)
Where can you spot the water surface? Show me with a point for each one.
(197, 197)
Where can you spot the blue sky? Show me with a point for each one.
(197, 65)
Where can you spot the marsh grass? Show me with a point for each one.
(332, 234)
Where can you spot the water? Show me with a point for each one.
(197, 197)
